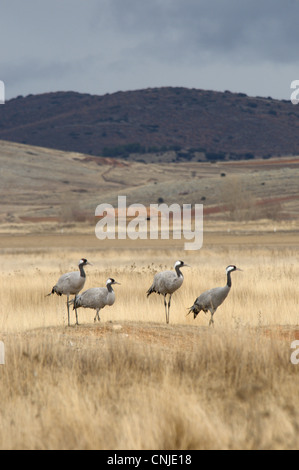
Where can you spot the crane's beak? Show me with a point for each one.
(117, 283)
(90, 264)
(187, 266)
(238, 269)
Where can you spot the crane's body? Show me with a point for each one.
(211, 299)
(71, 284)
(97, 298)
(166, 283)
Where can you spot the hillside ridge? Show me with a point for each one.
(175, 124)
(39, 185)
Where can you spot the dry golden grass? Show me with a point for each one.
(233, 389)
(133, 382)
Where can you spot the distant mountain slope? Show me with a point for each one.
(45, 185)
(195, 124)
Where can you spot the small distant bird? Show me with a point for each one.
(213, 298)
(166, 283)
(71, 284)
(97, 298)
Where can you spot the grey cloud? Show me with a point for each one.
(243, 30)
(103, 46)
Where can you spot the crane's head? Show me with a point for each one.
(111, 281)
(232, 268)
(181, 264)
(84, 262)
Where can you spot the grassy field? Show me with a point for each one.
(133, 382)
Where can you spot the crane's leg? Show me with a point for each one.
(68, 310)
(211, 319)
(165, 305)
(97, 317)
(76, 313)
(169, 303)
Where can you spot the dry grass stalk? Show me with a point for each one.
(146, 385)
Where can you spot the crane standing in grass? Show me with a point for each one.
(71, 284)
(166, 283)
(96, 298)
(213, 298)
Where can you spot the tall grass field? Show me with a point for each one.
(132, 382)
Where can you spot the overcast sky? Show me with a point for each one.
(104, 46)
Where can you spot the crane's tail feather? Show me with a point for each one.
(53, 291)
(194, 309)
(150, 291)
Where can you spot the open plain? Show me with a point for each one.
(131, 381)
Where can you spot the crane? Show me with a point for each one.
(97, 298)
(211, 299)
(166, 283)
(71, 284)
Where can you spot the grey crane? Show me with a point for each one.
(166, 283)
(71, 284)
(213, 298)
(97, 298)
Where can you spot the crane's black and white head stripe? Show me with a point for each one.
(111, 281)
(179, 264)
(232, 268)
(83, 262)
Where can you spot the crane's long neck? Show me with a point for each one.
(109, 287)
(178, 271)
(82, 272)
(229, 280)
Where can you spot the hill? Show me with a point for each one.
(39, 184)
(161, 124)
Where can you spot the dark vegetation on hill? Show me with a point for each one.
(189, 124)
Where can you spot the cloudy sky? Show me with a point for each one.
(103, 46)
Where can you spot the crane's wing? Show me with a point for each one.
(70, 283)
(212, 298)
(92, 298)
